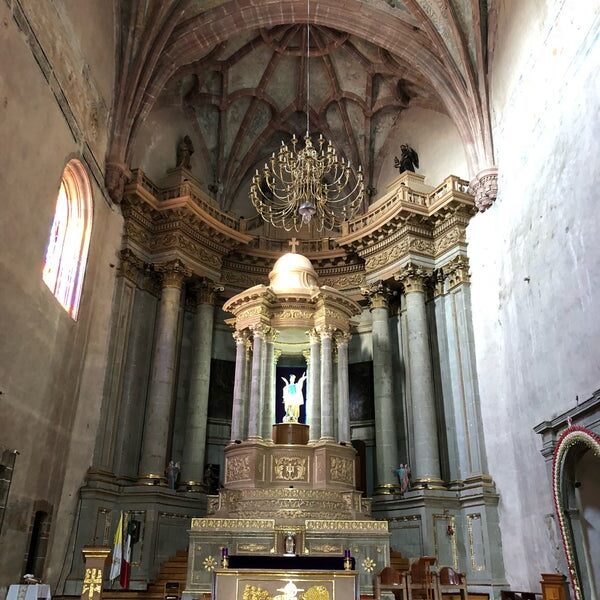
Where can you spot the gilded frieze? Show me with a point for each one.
(341, 469)
(324, 525)
(238, 468)
(200, 523)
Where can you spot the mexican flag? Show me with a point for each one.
(121, 556)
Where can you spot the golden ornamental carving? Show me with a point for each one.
(238, 468)
(293, 314)
(253, 548)
(334, 525)
(199, 523)
(341, 469)
(377, 294)
(131, 267)
(252, 592)
(313, 336)
(457, 271)
(325, 331)
(344, 281)
(209, 563)
(206, 291)
(290, 468)
(92, 583)
(173, 273)
(241, 337)
(413, 277)
(343, 338)
(327, 548)
(261, 330)
(368, 564)
(290, 592)
(446, 241)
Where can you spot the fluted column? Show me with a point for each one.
(385, 419)
(194, 448)
(343, 388)
(268, 411)
(426, 470)
(256, 383)
(327, 430)
(313, 413)
(162, 379)
(237, 413)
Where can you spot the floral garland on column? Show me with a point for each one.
(572, 436)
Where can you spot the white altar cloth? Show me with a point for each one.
(34, 591)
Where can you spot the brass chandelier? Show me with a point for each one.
(313, 183)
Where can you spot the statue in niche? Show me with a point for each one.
(408, 161)
(293, 398)
(403, 473)
(184, 153)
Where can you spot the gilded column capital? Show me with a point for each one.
(173, 273)
(276, 356)
(413, 278)
(132, 267)
(484, 186)
(241, 336)
(378, 295)
(342, 338)
(206, 291)
(457, 271)
(313, 336)
(261, 330)
(325, 331)
(306, 355)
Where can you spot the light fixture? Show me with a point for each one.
(313, 183)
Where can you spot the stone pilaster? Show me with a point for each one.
(327, 429)
(313, 412)
(426, 470)
(237, 414)
(462, 404)
(385, 422)
(343, 417)
(255, 408)
(484, 186)
(192, 468)
(162, 378)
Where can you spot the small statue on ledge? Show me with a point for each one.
(403, 473)
(184, 153)
(172, 472)
(408, 161)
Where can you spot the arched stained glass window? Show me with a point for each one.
(66, 255)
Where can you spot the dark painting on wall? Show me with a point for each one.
(220, 399)
(362, 406)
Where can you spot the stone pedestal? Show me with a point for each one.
(290, 433)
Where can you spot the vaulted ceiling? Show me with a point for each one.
(238, 70)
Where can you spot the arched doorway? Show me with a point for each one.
(576, 488)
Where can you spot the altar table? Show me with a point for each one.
(32, 591)
(276, 584)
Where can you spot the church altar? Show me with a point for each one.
(251, 584)
(289, 487)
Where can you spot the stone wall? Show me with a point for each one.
(535, 259)
(55, 92)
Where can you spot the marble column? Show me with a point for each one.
(343, 418)
(237, 413)
(426, 470)
(194, 448)
(162, 379)
(313, 416)
(327, 429)
(246, 387)
(268, 411)
(386, 444)
(256, 382)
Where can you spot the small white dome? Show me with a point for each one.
(293, 272)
